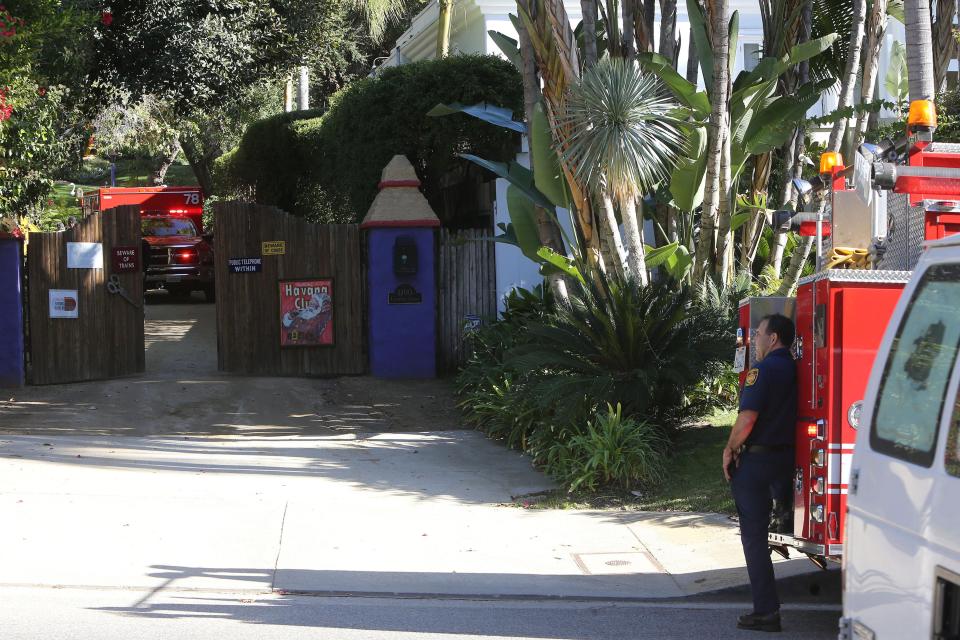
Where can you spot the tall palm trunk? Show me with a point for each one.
(632, 225)
(793, 168)
(795, 268)
(627, 36)
(850, 73)
(693, 63)
(668, 30)
(443, 28)
(718, 129)
(723, 262)
(944, 42)
(608, 219)
(919, 49)
(589, 10)
(876, 28)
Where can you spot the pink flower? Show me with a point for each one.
(106, 18)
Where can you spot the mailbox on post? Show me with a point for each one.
(400, 228)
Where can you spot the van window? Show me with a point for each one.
(952, 460)
(913, 388)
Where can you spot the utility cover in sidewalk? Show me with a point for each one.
(599, 564)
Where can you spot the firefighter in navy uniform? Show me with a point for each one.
(758, 460)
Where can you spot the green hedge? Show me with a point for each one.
(326, 167)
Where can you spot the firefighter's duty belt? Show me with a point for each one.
(767, 448)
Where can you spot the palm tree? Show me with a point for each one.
(876, 28)
(621, 136)
(380, 13)
(718, 130)
(919, 49)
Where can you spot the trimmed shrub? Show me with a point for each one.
(594, 391)
(321, 165)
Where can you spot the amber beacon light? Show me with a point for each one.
(923, 113)
(829, 160)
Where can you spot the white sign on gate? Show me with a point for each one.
(84, 255)
(64, 303)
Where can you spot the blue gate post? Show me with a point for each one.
(11, 312)
(401, 277)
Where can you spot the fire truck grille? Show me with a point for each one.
(159, 256)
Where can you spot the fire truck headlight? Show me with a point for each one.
(817, 513)
(853, 414)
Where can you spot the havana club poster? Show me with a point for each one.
(306, 313)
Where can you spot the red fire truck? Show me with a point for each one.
(179, 201)
(177, 254)
(869, 233)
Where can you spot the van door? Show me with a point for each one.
(891, 556)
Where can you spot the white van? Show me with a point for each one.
(902, 552)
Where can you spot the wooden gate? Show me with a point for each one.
(257, 249)
(77, 329)
(468, 289)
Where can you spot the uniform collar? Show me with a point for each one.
(782, 351)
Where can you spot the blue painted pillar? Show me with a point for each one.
(11, 312)
(401, 277)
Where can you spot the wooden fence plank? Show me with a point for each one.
(248, 320)
(467, 287)
(106, 340)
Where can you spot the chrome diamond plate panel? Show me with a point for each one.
(882, 276)
(904, 240)
(944, 147)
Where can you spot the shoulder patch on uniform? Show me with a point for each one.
(752, 376)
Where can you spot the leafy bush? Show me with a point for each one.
(492, 394)
(546, 377)
(308, 161)
(611, 451)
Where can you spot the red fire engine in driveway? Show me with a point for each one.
(180, 201)
(869, 235)
(177, 254)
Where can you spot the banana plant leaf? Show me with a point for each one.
(524, 222)
(548, 177)
(657, 256)
(563, 263)
(487, 112)
(685, 92)
(515, 174)
(733, 33)
(687, 180)
(698, 29)
(509, 47)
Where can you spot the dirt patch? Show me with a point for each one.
(400, 405)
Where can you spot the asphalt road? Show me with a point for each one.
(55, 614)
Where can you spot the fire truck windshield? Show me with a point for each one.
(168, 227)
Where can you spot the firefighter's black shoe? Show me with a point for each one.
(760, 622)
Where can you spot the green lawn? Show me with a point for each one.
(695, 481)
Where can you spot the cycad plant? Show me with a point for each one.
(620, 134)
(645, 347)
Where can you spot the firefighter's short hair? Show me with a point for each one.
(782, 326)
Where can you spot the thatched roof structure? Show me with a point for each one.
(400, 203)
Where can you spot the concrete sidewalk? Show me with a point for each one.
(398, 513)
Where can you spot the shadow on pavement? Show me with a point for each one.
(412, 612)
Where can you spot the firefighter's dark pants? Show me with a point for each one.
(759, 478)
